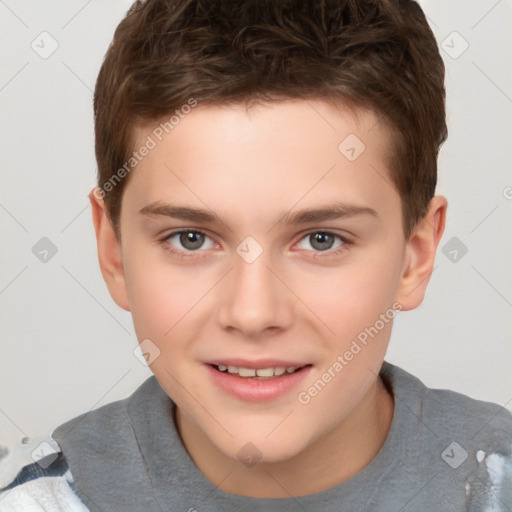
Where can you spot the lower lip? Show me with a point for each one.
(246, 388)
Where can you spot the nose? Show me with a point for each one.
(254, 299)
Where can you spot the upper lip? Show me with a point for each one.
(258, 364)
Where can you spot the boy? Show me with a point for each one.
(265, 206)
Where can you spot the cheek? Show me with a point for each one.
(162, 296)
(352, 297)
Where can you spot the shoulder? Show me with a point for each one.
(466, 443)
(40, 474)
(92, 425)
(452, 413)
(478, 419)
(34, 476)
(107, 431)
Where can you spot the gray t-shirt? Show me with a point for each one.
(444, 452)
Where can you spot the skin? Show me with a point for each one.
(294, 301)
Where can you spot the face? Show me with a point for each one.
(255, 282)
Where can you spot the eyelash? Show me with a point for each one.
(191, 254)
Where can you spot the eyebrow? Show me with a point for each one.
(332, 211)
(181, 212)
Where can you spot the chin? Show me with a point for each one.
(250, 448)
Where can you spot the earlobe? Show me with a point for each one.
(420, 254)
(109, 251)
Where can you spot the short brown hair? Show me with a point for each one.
(375, 54)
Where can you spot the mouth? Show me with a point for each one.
(270, 380)
(268, 373)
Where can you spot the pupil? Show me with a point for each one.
(322, 238)
(191, 240)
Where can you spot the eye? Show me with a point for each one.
(322, 241)
(188, 240)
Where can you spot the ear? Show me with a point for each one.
(109, 250)
(420, 253)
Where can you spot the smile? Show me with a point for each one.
(260, 373)
(267, 382)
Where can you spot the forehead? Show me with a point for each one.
(288, 124)
(270, 154)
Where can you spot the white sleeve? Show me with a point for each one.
(42, 492)
(13, 460)
(45, 494)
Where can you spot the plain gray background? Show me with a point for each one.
(66, 348)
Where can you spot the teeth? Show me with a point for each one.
(246, 372)
(265, 372)
(262, 372)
